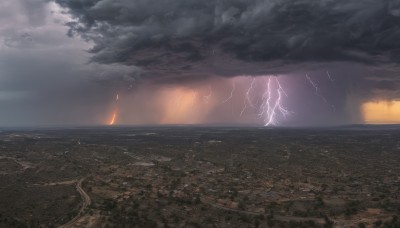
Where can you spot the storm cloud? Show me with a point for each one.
(190, 37)
(64, 61)
(44, 75)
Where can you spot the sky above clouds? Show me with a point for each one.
(325, 62)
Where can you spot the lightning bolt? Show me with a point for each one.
(207, 97)
(247, 99)
(114, 117)
(282, 109)
(317, 93)
(266, 98)
(248, 93)
(267, 110)
(232, 91)
(330, 77)
(271, 108)
(273, 112)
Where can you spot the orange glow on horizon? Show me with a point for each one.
(112, 121)
(114, 116)
(184, 105)
(381, 112)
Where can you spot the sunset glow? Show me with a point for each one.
(381, 112)
(182, 106)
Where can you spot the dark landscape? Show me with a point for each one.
(200, 177)
(199, 113)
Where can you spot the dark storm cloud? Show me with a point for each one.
(44, 75)
(173, 37)
(48, 77)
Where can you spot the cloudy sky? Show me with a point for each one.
(255, 62)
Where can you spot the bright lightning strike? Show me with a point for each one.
(282, 109)
(272, 105)
(266, 97)
(114, 117)
(267, 105)
(280, 87)
(272, 113)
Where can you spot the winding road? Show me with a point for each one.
(86, 202)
